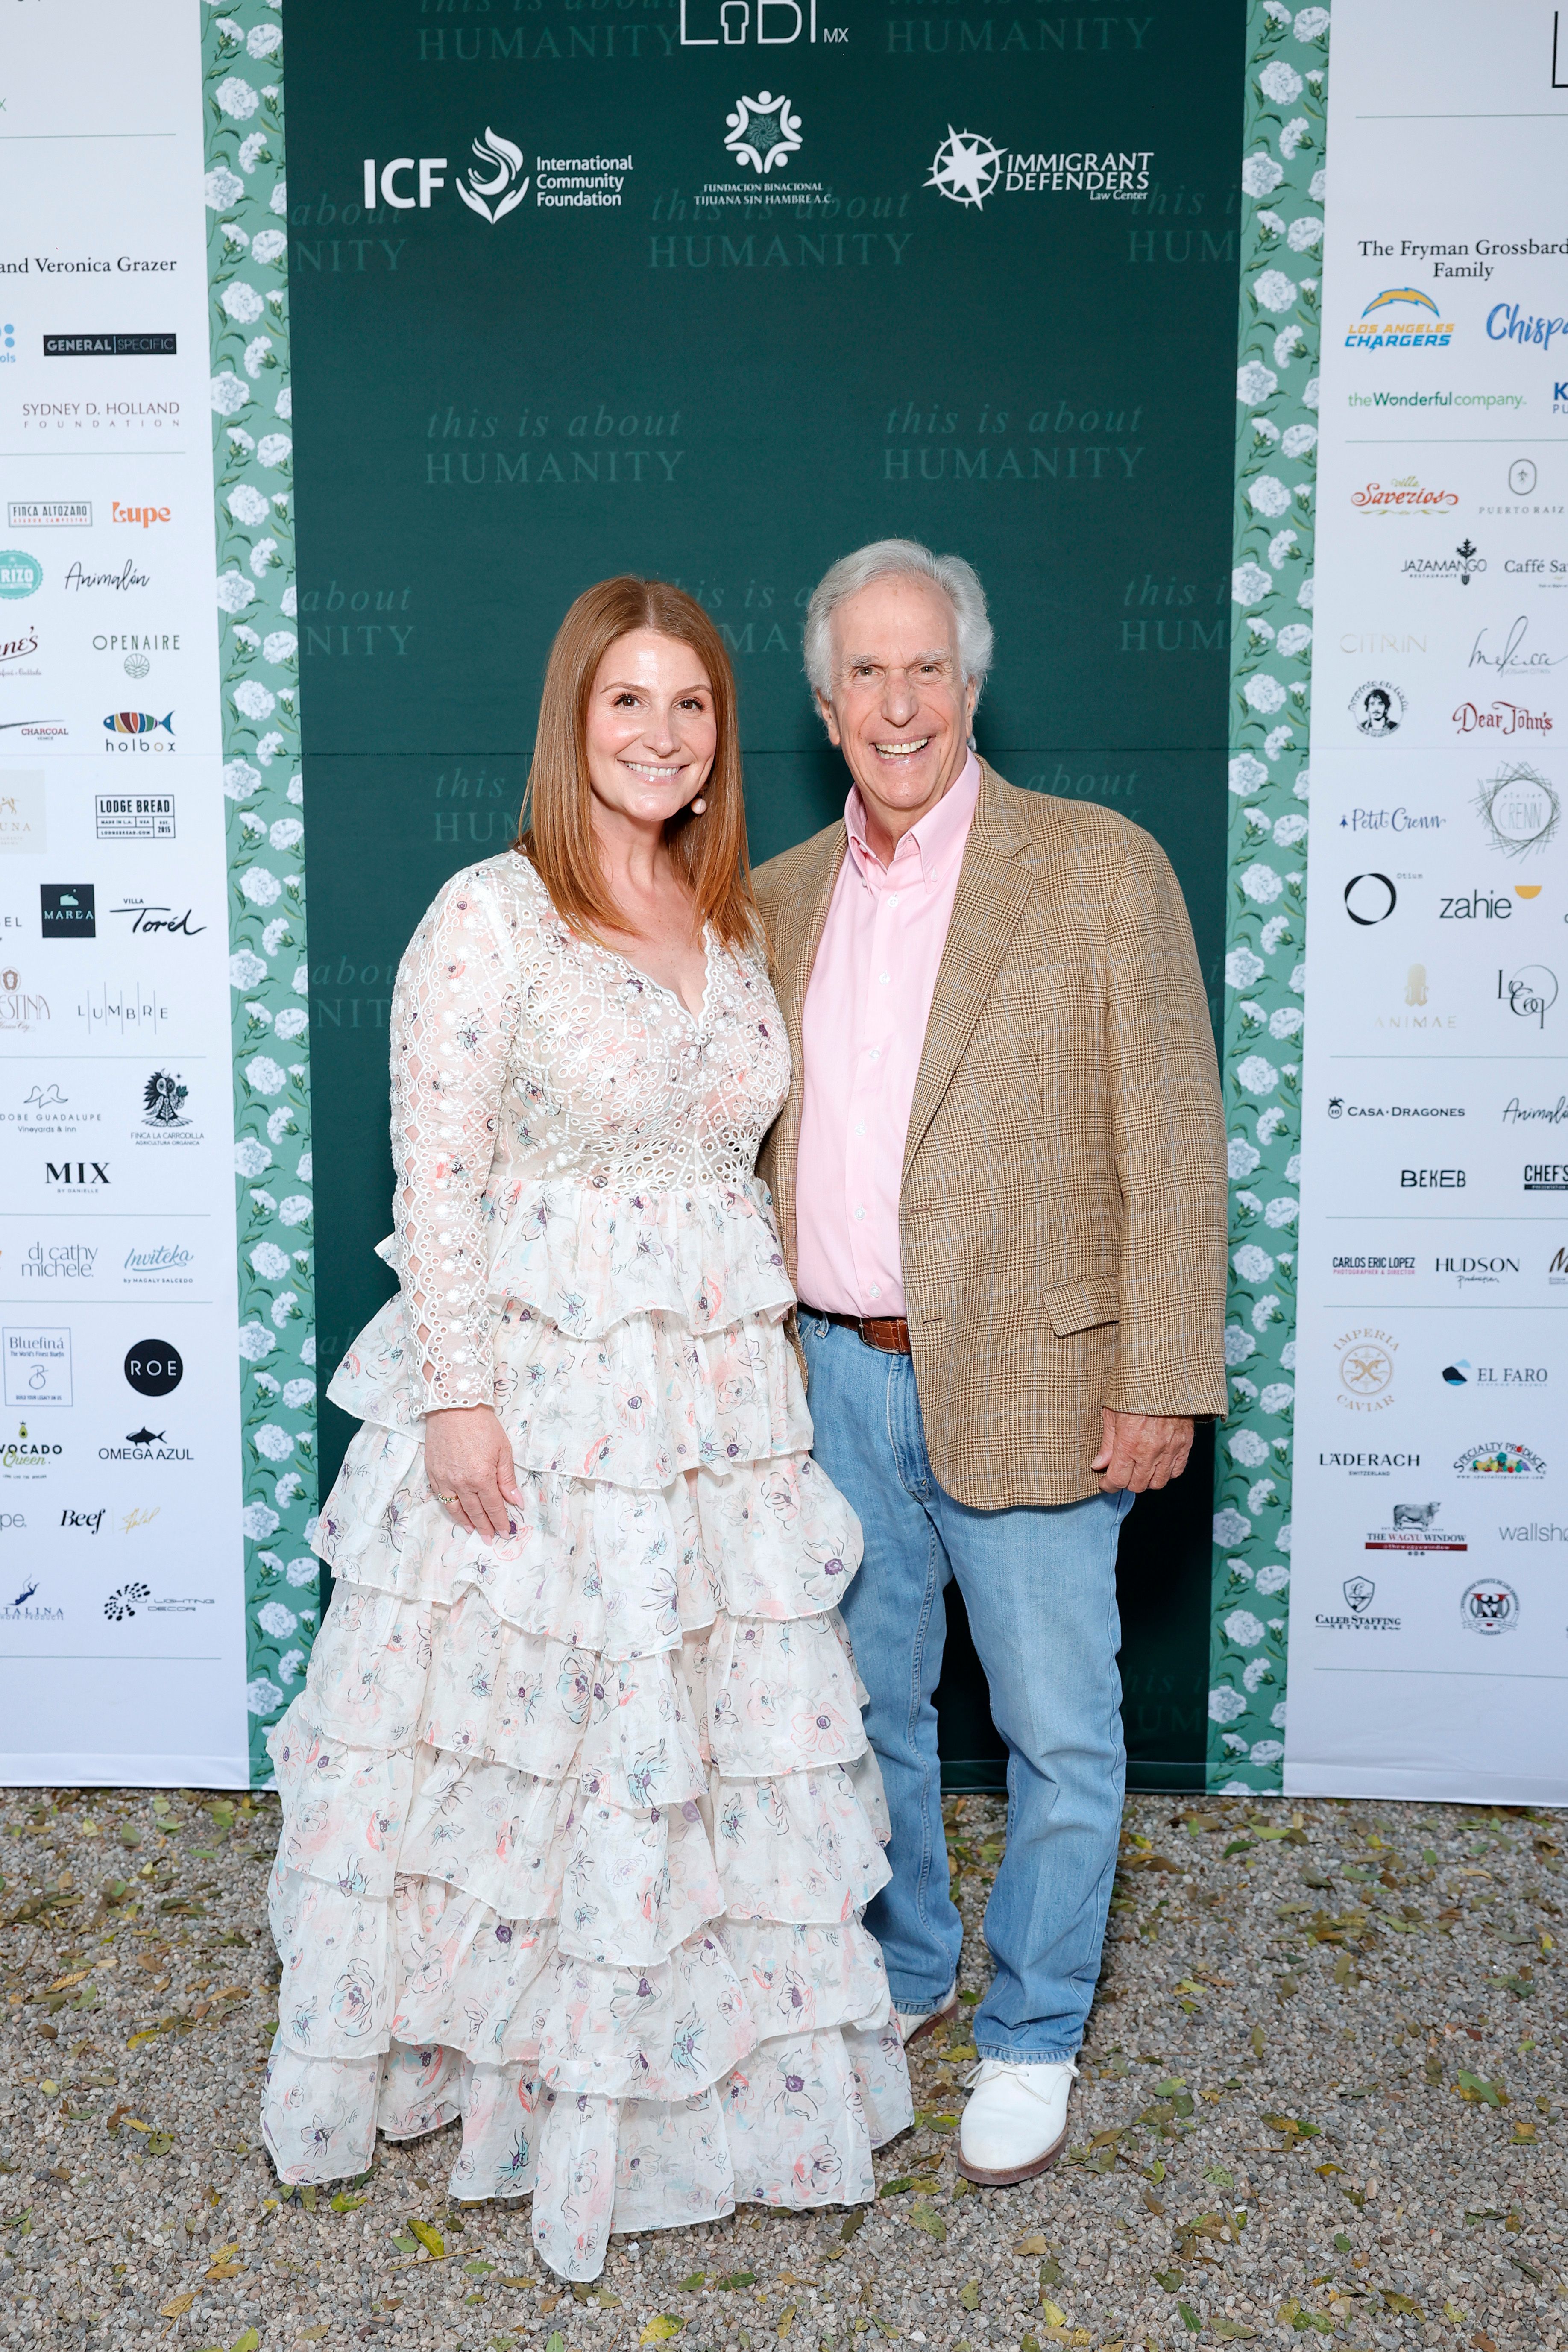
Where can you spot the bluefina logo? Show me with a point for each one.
(1377, 330)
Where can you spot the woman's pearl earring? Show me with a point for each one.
(698, 805)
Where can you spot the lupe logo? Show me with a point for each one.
(762, 131)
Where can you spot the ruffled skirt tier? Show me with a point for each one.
(578, 1824)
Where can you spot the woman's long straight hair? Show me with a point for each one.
(556, 828)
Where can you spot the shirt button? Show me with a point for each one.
(859, 1212)
(876, 1052)
(861, 1129)
(876, 1291)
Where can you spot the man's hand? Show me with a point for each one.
(1140, 1450)
(468, 1460)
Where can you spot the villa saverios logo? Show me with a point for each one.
(968, 167)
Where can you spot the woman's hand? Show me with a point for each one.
(468, 1460)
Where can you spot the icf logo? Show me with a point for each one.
(494, 185)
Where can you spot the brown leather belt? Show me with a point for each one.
(890, 1333)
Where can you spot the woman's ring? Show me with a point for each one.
(450, 1500)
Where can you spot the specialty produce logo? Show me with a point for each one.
(499, 185)
(1488, 1607)
(1497, 1459)
(1379, 329)
(762, 131)
(1520, 808)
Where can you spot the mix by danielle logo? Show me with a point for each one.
(495, 184)
(968, 167)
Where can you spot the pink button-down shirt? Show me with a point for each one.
(862, 1035)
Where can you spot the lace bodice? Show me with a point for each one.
(526, 1058)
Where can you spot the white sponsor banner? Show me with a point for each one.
(122, 1603)
(1429, 1624)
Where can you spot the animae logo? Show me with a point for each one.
(1497, 1459)
(1384, 324)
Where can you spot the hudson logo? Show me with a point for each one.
(1488, 1607)
(1497, 1460)
(1365, 1357)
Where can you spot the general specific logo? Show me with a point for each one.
(153, 1367)
(1488, 1607)
(21, 574)
(762, 131)
(1520, 808)
(499, 185)
(1414, 1528)
(1378, 329)
(1370, 899)
(1366, 1369)
(1378, 709)
(1496, 1459)
(1529, 994)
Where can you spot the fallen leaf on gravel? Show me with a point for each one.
(431, 2239)
(1472, 2088)
(690, 2285)
(926, 2217)
(852, 2222)
(969, 2297)
(348, 2204)
(897, 2187)
(63, 1984)
(1231, 2331)
(223, 2265)
(1053, 2313)
(928, 2119)
(739, 2278)
(248, 2342)
(1032, 2246)
(313, 2335)
(1404, 2304)
(786, 2318)
(1190, 2319)
(177, 2305)
(660, 2329)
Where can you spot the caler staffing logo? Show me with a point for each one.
(764, 132)
(1382, 328)
(1366, 1369)
(1359, 1592)
(968, 167)
(1414, 1530)
(1488, 1607)
(1496, 1459)
(1520, 808)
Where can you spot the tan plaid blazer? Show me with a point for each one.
(1062, 1219)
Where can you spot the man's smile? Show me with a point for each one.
(900, 750)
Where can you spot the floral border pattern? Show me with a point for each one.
(247, 267)
(1283, 187)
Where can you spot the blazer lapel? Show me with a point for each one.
(794, 957)
(993, 892)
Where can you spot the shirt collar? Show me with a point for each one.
(941, 832)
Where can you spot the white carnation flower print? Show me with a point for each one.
(290, 1666)
(269, 244)
(1293, 1176)
(287, 832)
(1294, 639)
(1255, 1671)
(245, 969)
(1275, 291)
(260, 886)
(1244, 1629)
(1262, 884)
(264, 1074)
(307, 1345)
(251, 1159)
(1280, 82)
(1239, 1345)
(1256, 1076)
(288, 603)
(1266, 1311)
(291, 1023)
(303, 1572)
(1242, 968)
(1281, 1212)
(234, 591)
(258, 355)
(228, 395)
(274, 449)
(1290, 829)
(246, 505)
(259, 1521)
(222, 188)
(1252, 1264)
(1226, 1705)
(302, 980)
(1260, 174)
(240, 779)
(279, 199)
(1267, 1751)
(1264, 692)
(255, 1342)
(1310, 394)
(1289, 344)
(1278, 1396)
(269, 1261)
(1248, 775)
(236, 98)
(262, 1696)
(253, 700)
(1307, 593)
(1249, 583)
(1277, 740)
(1304, 236)
(283, 405)
(1254, 382)
(1298, 981)
(276, 1621)
(1296, 134)
(277, 1444)
(1269, 1123)
(280, 645)
(1262, 1495)
(285, 1307)
(1265, 433)
(253, 150)
(1278, 1718)
(1268, 495)
(1318, 186)
(1283, 1538)
(274, 934)
(1311, 24)
(299, 1394)
(242, 302)
(263, 556)
(263, 39)
(1276, 930)
(1299, 440)
(1240, 1158)
(269, 746)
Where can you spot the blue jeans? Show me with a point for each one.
(1039, 1584)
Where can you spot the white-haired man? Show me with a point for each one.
(1000, 1184)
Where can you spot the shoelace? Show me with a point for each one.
(989, 2068)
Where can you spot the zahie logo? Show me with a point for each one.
(1377, 709)
(68, 911)
(1370, 899)
(1520, 808)
(135, 730)
(1476, 906)
(1378, 329)
(1466, 563)
(1530, 994)
(20, 574)
(762, 131)
(1488, 1607)
(163, 1099)
(153, 1367)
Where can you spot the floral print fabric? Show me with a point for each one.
(578, 1824)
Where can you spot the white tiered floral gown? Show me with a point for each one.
(578, 1824)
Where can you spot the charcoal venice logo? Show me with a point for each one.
(1378, 709)
(1488, 1607)
(1520, 808)
(762, 131)
(1365, 1357)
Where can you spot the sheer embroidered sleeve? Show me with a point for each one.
(454, 1013)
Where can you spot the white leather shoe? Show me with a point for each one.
(1016, 2120)
(912, 2023)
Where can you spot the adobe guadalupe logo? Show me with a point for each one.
(492, 187)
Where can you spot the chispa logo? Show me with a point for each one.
(968, 167)
(1380, 326)
(1378, 709)
(1497, 1459)
(1520, 808)
(1508, 323)
(1488, 1607)
(764, 132)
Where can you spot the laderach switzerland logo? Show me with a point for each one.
(968, 167)
(1384, 325)
(496, 183)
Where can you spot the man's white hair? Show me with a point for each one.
(886, 559)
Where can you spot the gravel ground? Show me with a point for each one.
(1322, 2095)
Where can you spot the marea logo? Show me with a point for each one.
(20, 574)
(762, 131)
(1377, 709)
(1378, 328)
(966, 167)
(1497, 1460)
(123, 1603)
(1370, 899)
(497, 187)
(68, 911)
(163, 1099)
(153, 1367)
(136, 731)
(1520, 808)
(1530, 994)
(1488, 1607)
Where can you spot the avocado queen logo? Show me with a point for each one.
(762, 131)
